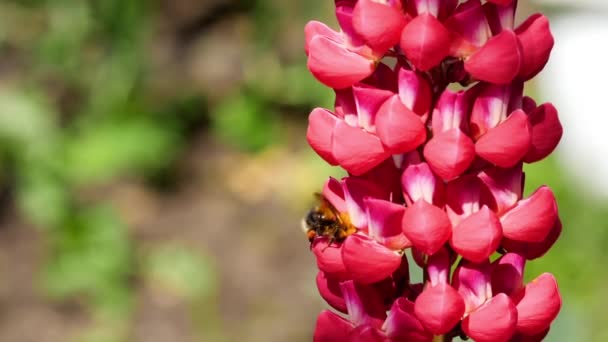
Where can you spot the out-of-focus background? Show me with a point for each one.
(154, 170)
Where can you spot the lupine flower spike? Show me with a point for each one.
(432, 169)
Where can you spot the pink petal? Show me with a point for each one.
(537, 42)
(329, 289)
(505, 186)
(451, 111)
(531, 219)
(506, 144)
(378, 24)
(425, 41)
(477, 236)
(492, 105)
(546, 132)
(367, 261)
(508, 274)
(419, 182)
(368, 100)
(494, 321)
(334, 65)
(501, 2)
(321, 124)
(355, 190)
(438, 267)
(500, 16)
(539, 306)
(534, 250)
(383, 77)
(355, 150)
(402, 324)
(366, 333)
(449, 153)
(388, 177)
(426, 226)
(331, 328)
(345, 106)
(333, 192)
(410, 158)
(498, 61)
(473, 283)
(518, 337)
(439, 308)
(344, 14)
(463, 198)
(364, 304)
(414, 91)
(399, 129)
(400, 278)
(384, 223)
(470, 24)
(438, 8)
(329, 258)
(528, 104)
(315, 28)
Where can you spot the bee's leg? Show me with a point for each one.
(332, 237)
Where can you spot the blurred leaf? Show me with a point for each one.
(180, 271)
(69, 24)
(25, 120)
(302, 88)
(265, 16)
(43, 197)
(103, 151)
(120, 20)
(91, 256)
(112, 82)
(244, 121)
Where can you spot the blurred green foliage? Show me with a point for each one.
(245, 121)
(81, 107)
(80, 110)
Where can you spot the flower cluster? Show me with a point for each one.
(434, 169)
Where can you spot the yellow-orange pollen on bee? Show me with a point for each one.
(324, 220)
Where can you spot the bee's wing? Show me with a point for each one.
(305, 227)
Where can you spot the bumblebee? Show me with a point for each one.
(324, 220)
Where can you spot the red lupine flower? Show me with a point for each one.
(403, 325)
(347, 137)
(488, 317)
(504, 186)
(450, 153)
(506, 144)
(546, 132)
(536, 44)
(427, 226)
(477, 236)
(370, 124)
(433, 169)
(425, 41)
(379, 23)
(399, 129)
(538, 302)
(495, 320)
(338, 59)
(531, 219)
(371, 254)
(439, 307)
